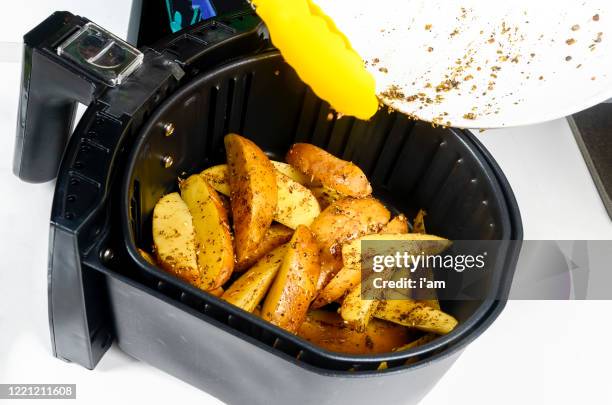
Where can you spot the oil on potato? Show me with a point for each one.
(275, 236)
(294, 287)
(337, 174)
(174, 238)
(296, 205)
(251, 287)
(253, 193)
(212, 232)
(327, 329)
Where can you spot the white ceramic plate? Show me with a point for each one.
(483, 63)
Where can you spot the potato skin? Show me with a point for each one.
(337, 174)
(277, 235)
(347, 219)
(251, 287)
(327, 329)
(212, 232)
(253, 195)
(293, 289)
(174, 238)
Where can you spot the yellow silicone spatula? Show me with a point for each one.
(321, 55)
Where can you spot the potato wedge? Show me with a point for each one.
(330, 266)
(357, 312)
(218, 177)
(417, 315)
(252, 286)
(398, 224)
(337, 174)
(346, 219)
(294, 287)
(327, 330)
(418, 225)
(350, 273)
(147, 256)
(174, 238)
(325, 195)
(253, 193)
(292, 173)
(296, 205)
(276, 236)
(212, 232)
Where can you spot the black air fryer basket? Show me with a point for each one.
(168, 119)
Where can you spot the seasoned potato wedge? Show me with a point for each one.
(276, 236)
(348, 218)
(251, 287)
(296, 205)
(330, 266)
(398, 224)
(350, 274)
(337, 174)
(253, 193)
(357, 312)
(174, 238)
(325, 195)
(418, 226)
(292, 173)
(327, 329)
(213, 237)
(417, 315)
(218, 177)
(294, 287)
(148, 258)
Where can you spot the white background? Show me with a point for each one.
(536, 352)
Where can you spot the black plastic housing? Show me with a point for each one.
(112, 173)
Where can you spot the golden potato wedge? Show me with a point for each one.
(398, 224)
(294, 287)
(291, 172)
(218, 177)
(357, 312)
(253, 193)
(337, 174)
(276, 236)
(327, 330)
(330, 265)
(350, 273)
(413, 314)
(346, 219)
(325, 195)
(418, 225)
(252, 286)
(148, 258)
(174, 238)
(213, 236)
(296, 205)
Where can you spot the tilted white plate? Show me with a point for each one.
(483, 63)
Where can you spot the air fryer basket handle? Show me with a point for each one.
(47, 103)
